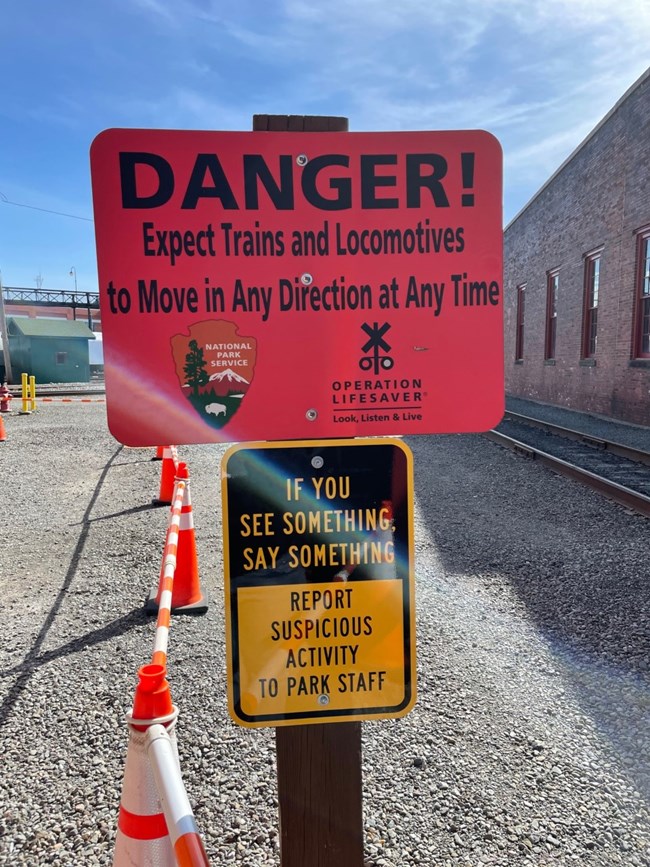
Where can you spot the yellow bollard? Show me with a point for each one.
(25, 394)
(32, 388)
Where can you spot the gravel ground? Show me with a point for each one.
(530, 740)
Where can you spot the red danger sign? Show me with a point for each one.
(271, 286)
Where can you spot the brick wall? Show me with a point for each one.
(596, 200)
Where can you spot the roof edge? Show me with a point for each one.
(50, 328)
(576, 150)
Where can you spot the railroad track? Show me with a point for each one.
(615, 470)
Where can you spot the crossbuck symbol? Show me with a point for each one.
(376, 361)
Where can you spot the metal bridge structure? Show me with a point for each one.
(51, 297)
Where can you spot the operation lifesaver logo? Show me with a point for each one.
(215, 367)
(376, 397)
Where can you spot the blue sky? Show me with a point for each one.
(538, 74)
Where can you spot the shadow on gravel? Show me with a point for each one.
(133, 511)
(131, 463)
(116, 627)
(581, 575)
(34, 660)
(583, 582)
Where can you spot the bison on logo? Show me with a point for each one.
(215, 367)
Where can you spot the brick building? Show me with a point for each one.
(577, 274)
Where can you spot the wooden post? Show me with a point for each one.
(319, 794)
(298, 123)
(319, 766)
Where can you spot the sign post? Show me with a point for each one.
(324, 286)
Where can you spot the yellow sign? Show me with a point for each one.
(319, 586)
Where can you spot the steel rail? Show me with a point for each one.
(619, 449)
(619, 493)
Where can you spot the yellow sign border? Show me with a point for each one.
(233, 652)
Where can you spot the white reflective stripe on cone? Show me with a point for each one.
(186, 522)
(171, 791)
(144, 853)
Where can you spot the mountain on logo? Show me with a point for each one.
(224, 383)
(229, 376)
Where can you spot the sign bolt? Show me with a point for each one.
(317, 462)
(323, 699)
(311, 415)
(306, 279)
(302, 159)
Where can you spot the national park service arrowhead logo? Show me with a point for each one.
(215, 367)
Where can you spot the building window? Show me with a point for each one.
(642, 305)
(552, 285)
(519, 339)
(61, 357)
(590, 307)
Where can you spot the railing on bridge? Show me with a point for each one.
(50, 297)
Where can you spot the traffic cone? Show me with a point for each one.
(187, 597)
(168, 472)
(3, 432)
(160, 450)
(142, 833)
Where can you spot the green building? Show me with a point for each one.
(52, 350)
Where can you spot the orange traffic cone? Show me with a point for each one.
(187, 597)
(168, 472)
(3, 432)
(160, 451)
(142, 833)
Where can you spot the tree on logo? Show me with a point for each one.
(194, 370)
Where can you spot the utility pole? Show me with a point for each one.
(5, 336)
(73, 273)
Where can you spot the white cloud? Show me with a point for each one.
(158, 8)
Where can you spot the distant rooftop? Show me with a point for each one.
(48, 327)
